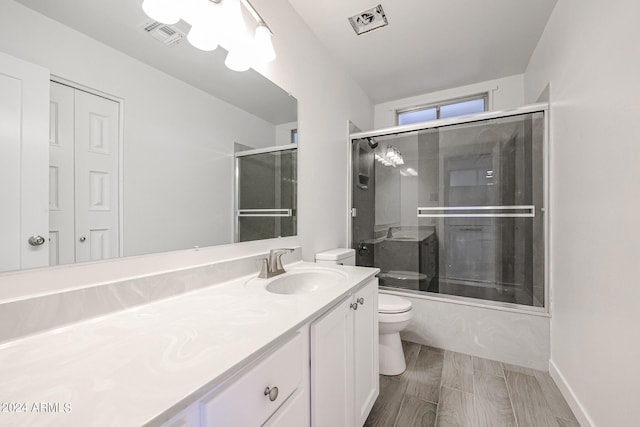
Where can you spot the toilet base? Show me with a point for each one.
(391, 354)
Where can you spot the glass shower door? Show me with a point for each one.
(455, 210)
(266, 194)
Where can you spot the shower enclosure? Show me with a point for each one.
(456, 207)
(266, 193)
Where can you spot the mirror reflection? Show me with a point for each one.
(145, 140)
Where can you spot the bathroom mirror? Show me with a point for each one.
(147, 126)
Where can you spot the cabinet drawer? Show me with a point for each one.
(244, 403)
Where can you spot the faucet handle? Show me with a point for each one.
(264, 268)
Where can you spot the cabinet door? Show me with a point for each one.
(292, 414)
(332, 368)
(366, 351)
(244, 402)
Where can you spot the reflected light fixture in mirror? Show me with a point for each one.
(218, 22)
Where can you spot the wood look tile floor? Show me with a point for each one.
(444, 388)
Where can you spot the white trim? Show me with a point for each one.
(266, 150)
(567, 392)
(453, 121)
(547, 209)
(443, 103)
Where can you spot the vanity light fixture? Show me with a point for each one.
(218, 22)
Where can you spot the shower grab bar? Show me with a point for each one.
(516, 211)
(265, 212)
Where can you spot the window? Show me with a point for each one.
(443, 110)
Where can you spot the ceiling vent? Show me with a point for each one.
(369, 20)
(166, 34)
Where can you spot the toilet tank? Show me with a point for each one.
(340, 256)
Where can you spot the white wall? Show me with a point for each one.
(327, 98)
(589, 53)
(178, 140)
(504, 93)
(283, 133)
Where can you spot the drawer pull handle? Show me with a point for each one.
(272, 393)
(361, 301)
(354, 306)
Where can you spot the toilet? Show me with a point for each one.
(394, 314)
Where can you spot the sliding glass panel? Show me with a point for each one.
(266, 195)
(459, 212)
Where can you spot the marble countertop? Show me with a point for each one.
(147, 363)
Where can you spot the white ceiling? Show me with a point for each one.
(118, 23)
(429, 45)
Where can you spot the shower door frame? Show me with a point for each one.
(545, 209)
(236, 189)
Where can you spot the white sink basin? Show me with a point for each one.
(302, 281)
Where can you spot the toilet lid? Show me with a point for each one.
(392, 304)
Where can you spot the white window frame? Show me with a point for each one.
(439, 104)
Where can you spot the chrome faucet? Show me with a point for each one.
(272, 266)
(390, 232)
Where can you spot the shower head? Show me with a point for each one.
(372, 142)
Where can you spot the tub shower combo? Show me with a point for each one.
(455, 208)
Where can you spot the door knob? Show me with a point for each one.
(36, 240)
(353, 306)
(361, 301)
(82, 239)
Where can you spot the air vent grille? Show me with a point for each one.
(166, 34)
(369, 20)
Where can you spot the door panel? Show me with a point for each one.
(24, 159)
(61, 172)
(96, 177)
(331, 368)
(366, 351)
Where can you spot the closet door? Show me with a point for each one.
(24, 159)
(96, 177)
(61, 175)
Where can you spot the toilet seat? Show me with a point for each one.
(391, 304)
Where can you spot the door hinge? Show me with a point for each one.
(354, 212)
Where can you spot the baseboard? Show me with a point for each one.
(566, 390)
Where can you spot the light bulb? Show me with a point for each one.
(234, 28)
(237, 60)
(203, 37)
(164, 11)
(263, 45)
(203, 16)
(190, 11)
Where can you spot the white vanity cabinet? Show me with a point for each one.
(326, 375)
(344, 360)
(276, 387)
(274, 390)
